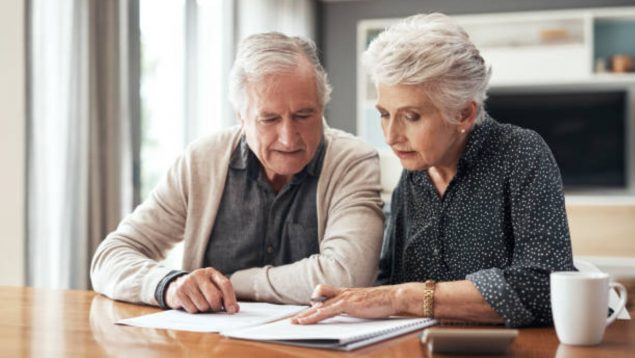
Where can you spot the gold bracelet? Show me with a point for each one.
(428, 298)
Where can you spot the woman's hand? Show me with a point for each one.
(372, 302)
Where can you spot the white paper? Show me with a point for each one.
(250, 314)
(341, 328)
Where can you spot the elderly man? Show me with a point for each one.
(267, 210)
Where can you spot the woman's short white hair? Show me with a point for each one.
(434, 52)
(268, 53)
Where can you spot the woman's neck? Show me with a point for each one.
(442, 174)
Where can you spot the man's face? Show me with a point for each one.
(283, 122)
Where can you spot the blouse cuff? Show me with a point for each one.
(498, 293)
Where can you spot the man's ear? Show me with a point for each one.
(239, 119)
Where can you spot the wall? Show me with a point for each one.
(12, 142)
(337, 37)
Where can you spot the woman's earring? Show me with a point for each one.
(462, 131)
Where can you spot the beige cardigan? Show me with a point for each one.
(183, 206)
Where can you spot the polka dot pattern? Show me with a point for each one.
(500, 224)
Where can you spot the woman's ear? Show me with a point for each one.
(468, 116)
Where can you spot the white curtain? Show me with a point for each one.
(83, 135)
(291, 17)
(82, 123)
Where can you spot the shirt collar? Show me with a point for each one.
(240, 156)
(476, 141)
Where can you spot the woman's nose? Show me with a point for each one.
(392, 131)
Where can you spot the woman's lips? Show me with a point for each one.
(403, 154)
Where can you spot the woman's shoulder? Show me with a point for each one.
(518, 142)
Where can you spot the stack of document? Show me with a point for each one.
(271, 323)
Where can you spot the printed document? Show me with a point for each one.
(250, 314)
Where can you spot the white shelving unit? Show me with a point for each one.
(543, 49)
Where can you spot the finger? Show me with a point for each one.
(185, 302)
(211, 293)
(305, 313)
(322, 313)
(228, 294)
(194, 294)
(315, 303)
(322, 292)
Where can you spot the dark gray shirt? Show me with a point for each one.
(500, 224)
(256, 226)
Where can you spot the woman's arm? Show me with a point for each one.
(458, 300)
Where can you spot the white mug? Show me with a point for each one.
(579, 303)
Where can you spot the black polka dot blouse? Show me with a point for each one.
(500, 224)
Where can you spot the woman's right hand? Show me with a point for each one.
(371, 302)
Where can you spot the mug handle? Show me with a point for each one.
(622, 294)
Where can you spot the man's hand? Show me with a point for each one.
(202, 290)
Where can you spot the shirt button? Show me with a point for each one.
(435, 251)
(269, 249)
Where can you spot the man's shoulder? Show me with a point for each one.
(218, 142)
(344, 144)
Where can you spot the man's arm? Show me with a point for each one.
(349, 249)
(125, 265)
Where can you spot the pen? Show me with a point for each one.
(318, 299)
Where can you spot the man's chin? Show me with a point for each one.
(289, 170)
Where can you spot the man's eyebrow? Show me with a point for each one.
(267, 114)
(306, 110)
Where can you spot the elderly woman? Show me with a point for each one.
(478, 218)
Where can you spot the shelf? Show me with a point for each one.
(600, 199)
(589, 80)
(535, 48)
(527, 32)
(535, 52)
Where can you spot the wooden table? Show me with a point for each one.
(63, 323)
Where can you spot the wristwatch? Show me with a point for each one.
(428, 298)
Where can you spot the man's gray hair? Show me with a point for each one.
(434, 52)
(268, 53)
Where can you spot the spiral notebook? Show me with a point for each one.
(341, 332)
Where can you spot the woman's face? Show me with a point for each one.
(415, 129)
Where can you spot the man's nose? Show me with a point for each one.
(287, 132)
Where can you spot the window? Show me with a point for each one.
(185, 47)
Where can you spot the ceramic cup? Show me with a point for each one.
(579, 302)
